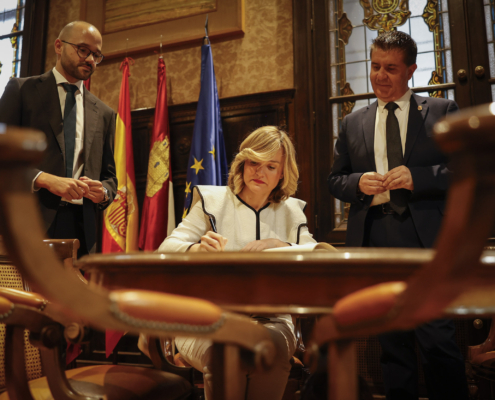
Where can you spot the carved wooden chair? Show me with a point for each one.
(12, 284)
(133, 311)
(469, 139)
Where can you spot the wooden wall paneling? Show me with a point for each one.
(478, 53)
(142, 128)
(304, 112)
(460, 57)
(240, 116)
(34, 39)
(324, 202)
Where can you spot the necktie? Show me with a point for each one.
(70, 114)
(398, 197)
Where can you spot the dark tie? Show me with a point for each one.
(398, 197)
(70, 114)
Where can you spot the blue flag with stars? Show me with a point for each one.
(207, 160)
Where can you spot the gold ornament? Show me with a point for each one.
(158, 167)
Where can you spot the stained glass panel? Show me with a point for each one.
(489, 6)
(11, 29)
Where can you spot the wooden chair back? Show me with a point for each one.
(10, 277)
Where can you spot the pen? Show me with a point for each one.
(212, 223)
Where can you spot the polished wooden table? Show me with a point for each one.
(255, 282)
(298, 283)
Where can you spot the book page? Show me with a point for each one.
(305, 247)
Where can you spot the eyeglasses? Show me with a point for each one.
(84, 52)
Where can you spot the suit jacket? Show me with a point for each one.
(34, 102)
(354, 155)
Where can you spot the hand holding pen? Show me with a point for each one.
(211, 241)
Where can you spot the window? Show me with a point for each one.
(11, 38)
(490, 33)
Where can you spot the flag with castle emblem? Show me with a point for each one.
(158, 217)
(207, 159)
(120, 228)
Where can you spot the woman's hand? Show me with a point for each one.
(263, 244)
(211, 241)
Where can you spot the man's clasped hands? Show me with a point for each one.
(72, 189)
(372, 183)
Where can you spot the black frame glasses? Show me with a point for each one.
(98, 57)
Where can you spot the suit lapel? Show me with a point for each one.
(50, 102)
(91, 114)
(369, 117)
(415, 123)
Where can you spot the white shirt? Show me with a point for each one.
(381, 160)
(238, 222)
(78, 165)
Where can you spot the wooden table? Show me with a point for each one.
(274, 282)
(298, 283)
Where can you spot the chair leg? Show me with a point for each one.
(228, 378)
(342, 370)
(57, 380)
(161, 362)
(16, 379)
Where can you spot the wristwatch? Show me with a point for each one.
(105, 195)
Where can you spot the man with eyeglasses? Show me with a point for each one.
(77, 174)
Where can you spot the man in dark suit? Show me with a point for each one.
(77, 174)
(388, 167)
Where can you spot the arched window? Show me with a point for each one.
(22, 38)
(12, 19)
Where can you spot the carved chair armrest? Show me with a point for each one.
(165, 315)
(45, 333)
(66, 251)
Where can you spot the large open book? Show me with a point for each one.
(322, 246)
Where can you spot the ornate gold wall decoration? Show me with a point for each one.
(430, 14)
(14, 40)
(385, 15)
(436, 79)
(345, 28)
(432, 19)
(368, 10)
(347, 106)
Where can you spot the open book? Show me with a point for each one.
(322, 246)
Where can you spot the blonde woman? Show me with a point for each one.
(254, 212)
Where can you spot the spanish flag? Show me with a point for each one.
(121, 222)
(120, 230)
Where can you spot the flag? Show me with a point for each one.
(158, 217)
(120, 228)
(207, 160)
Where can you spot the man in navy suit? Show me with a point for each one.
(388, 167)
(77, 174)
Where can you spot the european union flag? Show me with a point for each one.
(207, 160)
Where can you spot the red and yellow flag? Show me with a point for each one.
(158, 218)
(120, 228)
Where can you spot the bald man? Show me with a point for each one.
(77, 174)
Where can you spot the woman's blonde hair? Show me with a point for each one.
(261, 146)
